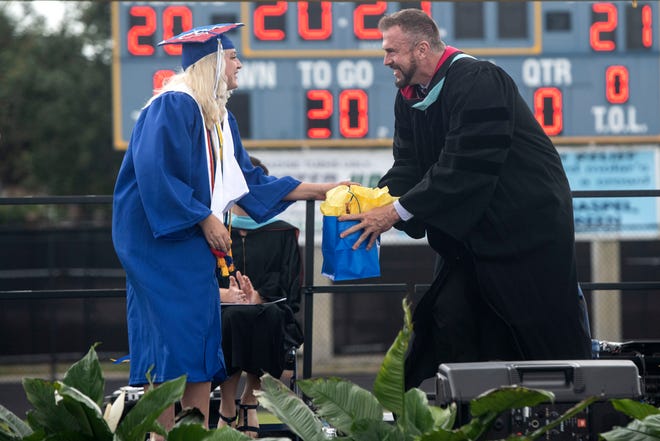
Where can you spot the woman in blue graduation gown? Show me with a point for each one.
(184, 169)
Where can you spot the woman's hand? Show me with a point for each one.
(216, 233)
(313, 190)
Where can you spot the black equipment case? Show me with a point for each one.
(570, 380)
(646, 356)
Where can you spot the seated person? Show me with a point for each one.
(256, 338)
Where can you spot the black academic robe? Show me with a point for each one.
(487, 187)
(256, 338)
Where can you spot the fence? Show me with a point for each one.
(310, 289)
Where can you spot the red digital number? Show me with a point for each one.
(146, 30)
(596, 40)
(616, 84)
(548, 109)
(361, 31)
(169, 31)
(307, 33)
(426, 7)
(647, 26)
(279, 9)
(159, 77)
(320, 116)
(260, 15)
(353, 113)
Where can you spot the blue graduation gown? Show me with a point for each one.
(161, 194)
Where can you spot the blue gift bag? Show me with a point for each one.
(340, 261)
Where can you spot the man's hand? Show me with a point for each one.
(233, 294)
(216, 233)
(246, 286)
(373, 222)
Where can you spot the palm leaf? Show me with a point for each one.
(341, 402)
(418, 418)
(634, 409)
(647, 429)
(226, 433)
(290, 409)
(188, 432)
(389, 386)
(570, 413)
(489, 405)
(508, 397)
(12, 426)
(445, 435)
(444, 418)
(373, 430)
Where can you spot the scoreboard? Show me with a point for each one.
(313, 74)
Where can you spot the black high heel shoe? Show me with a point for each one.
(229, 420)
(244, 425)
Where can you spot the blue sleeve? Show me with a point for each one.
(170, 166)
(264, 200)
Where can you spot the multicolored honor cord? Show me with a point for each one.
(225, 260)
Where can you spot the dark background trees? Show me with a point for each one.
(56, 102)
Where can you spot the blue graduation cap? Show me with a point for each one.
(202, 41)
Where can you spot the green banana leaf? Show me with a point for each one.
(506, 398)
(341, 402)
(634, 409)
(290, 409)
(489, 405)
(444, 418)
(188, 432)
(444, 435)
(374, 430)
(418, 418)
(11, 426)
(389, 386)
(647, 429)
(570, 413)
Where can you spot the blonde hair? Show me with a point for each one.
(200, 79)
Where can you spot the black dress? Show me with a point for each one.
(256, 338)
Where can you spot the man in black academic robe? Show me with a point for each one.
(476, 173)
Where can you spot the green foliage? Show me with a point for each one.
(358, 415)
(56, 103)
(290, 409)
(12, 427)
(389, 387)
(644, 427)
(86, 376)
(69, 410)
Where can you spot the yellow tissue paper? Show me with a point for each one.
(354, 199)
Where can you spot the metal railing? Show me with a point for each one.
(309, 289)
